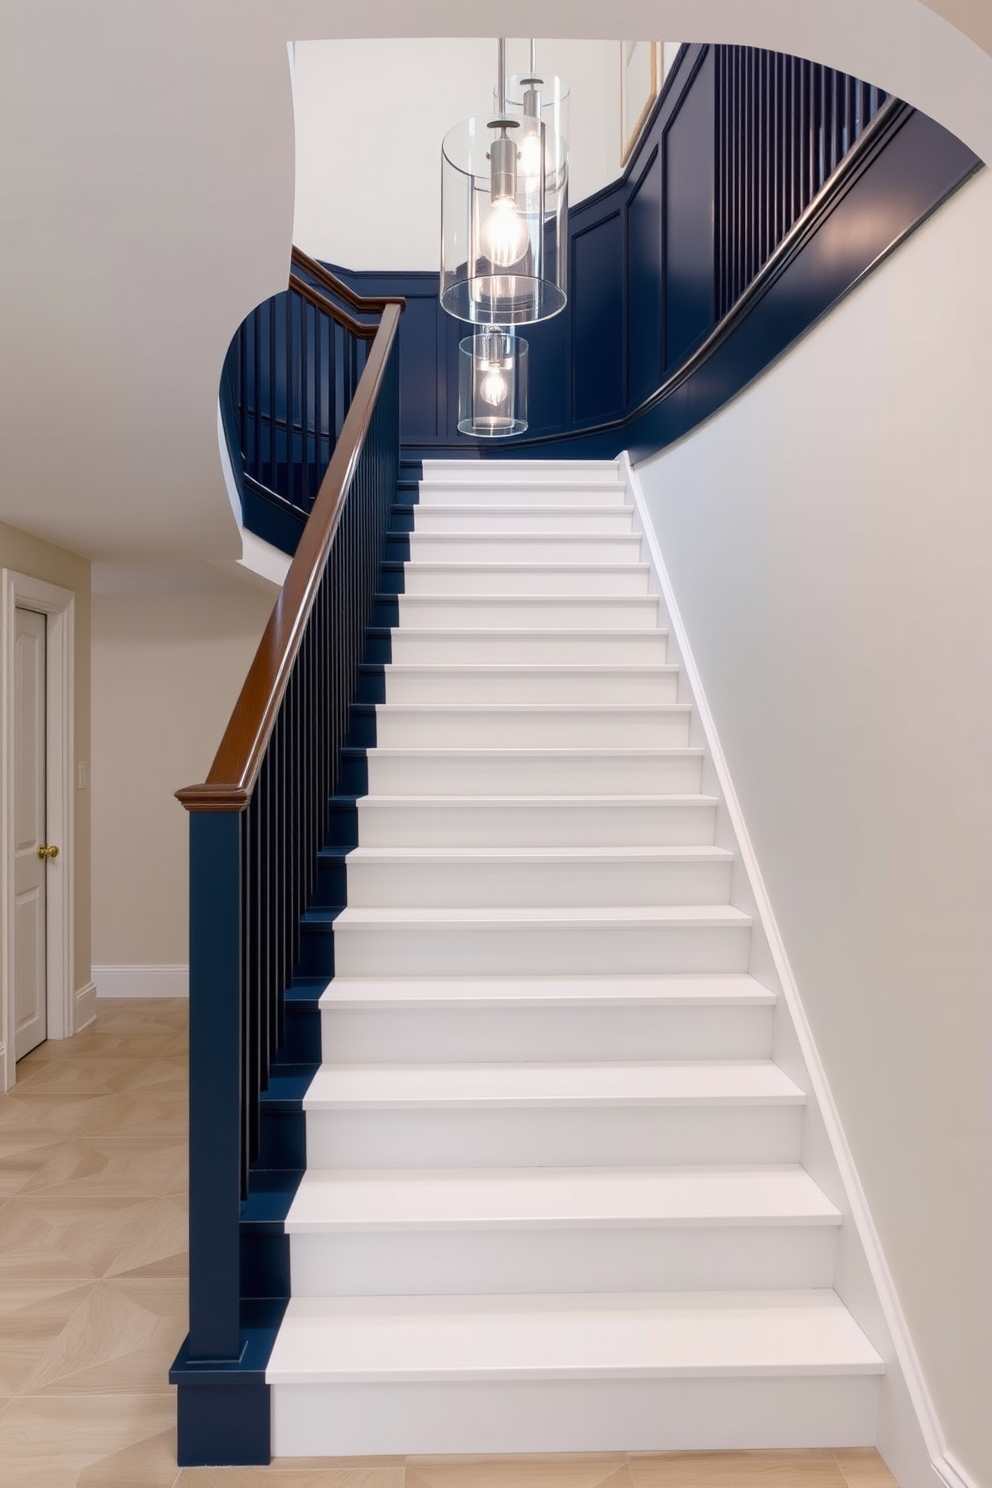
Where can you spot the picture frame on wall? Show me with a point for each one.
(641, 76)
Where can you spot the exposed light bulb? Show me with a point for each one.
(493, 389)
(504, 234)
(531, 162)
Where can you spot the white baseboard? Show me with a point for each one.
(141, 981)
(951, 1473)
(85, 1012)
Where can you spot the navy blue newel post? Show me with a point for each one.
(258, 827)
(215, 1086)
(223, 1400)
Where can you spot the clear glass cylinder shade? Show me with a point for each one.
(544, 96)
(492, 384)
(504, 234)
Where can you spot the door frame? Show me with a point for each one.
(59, 606)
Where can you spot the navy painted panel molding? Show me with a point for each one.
(715, 216)
(687, 173)
(597, 290)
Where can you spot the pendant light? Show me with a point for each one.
(543, 97)
(492, 383)
(504, 208)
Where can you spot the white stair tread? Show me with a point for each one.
(529, 481)
(528, 509)
(730, 1082)
(734, 990)
(559, 1198)
(484, 633)
(566, 1336)
(610, 756)
(605, 855)
(509, 601)
(470, 567)
(663, 914)
(615, 539)
(640, 710)
(569, 803)
(517, 669)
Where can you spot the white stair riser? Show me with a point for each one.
(590, 1136)
(602, 521)
(588, 493)
(575, 1259)
(530, 578)
(531, 728)
(522, 612)
(511, 1035)
(415, 950)
(529, 648)
(506, 547)
(539, 685)
(480, 883)
(603, 1415)
(530, 773)
(539, 823)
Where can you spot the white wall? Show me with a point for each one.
(167, 670)
(829, 538)
(370, 117)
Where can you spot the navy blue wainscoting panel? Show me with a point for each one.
(549, 373)
(689, 143)
(597, 320)
(644, 282)
(423, 394)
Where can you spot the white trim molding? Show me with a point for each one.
(905, 1360)
(951, 1473)
(141, 981)
(85, 1006)
(59, 607)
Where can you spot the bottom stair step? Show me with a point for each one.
(654, 1371)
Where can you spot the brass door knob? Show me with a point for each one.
(48, 852)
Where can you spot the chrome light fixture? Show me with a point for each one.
(545, 99)
(504, 209)
(492, 383)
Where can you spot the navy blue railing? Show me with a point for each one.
(782, 127)
(256, 825)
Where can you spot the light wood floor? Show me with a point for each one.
(93, 1298)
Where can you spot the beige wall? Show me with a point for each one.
(41, 560)
(167, 669)
(829, 539)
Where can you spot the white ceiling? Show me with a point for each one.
(146, 177)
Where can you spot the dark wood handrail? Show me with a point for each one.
(365, 329)
(231, 780)
(374, 303)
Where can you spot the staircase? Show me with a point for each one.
(553, 1199)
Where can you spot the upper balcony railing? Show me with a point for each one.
(288, 381)
(782, 127)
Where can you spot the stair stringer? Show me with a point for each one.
(908, 1434)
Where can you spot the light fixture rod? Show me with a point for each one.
(533, 56)
(501, 77)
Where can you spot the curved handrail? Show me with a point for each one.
(891, 116)
(375, 303)
(365, 329)
(234, 772)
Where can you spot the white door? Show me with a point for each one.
(30, 869)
